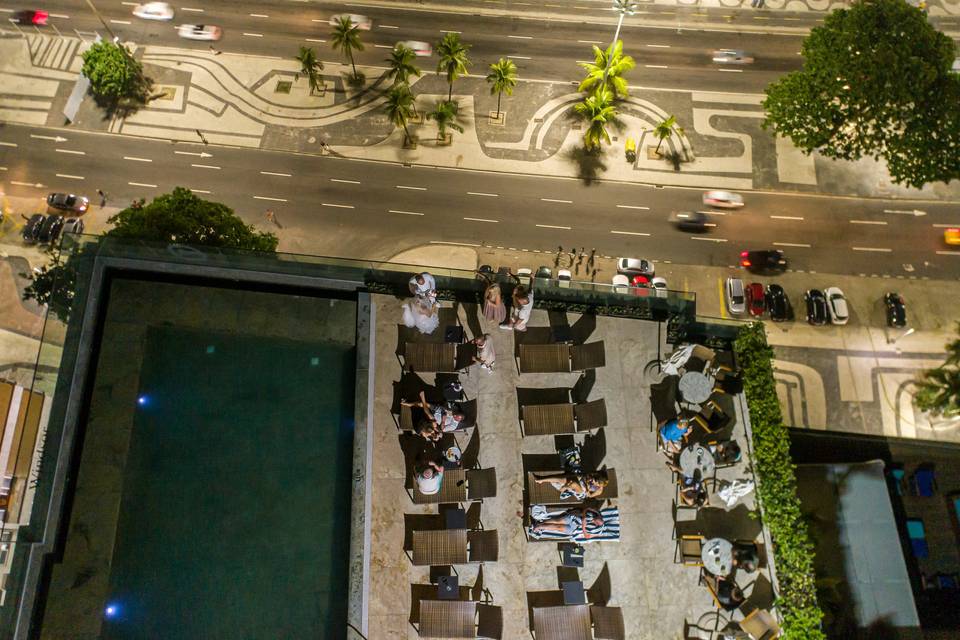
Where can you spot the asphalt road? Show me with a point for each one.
(542, 49)
(367, 209)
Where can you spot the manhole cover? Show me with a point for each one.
(283, 86)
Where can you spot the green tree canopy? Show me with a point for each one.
(445, 115)
(938, 390)
(399, 107)
(345, 38)
(599, 111)
(875, 82)
(402, 65)
(113, 72)
(664, 129)
(619, 65)
(502, 77)
(453, 58)
(310, 66)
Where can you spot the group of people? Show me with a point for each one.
(729, 594)
(435, 418)
(495, 310)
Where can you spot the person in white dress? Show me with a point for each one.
(421, 313)
(485, 354)
(423, 285)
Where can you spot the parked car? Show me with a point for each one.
(816, 302)
(199, 31)
(50, 229)
(951, 235)
(634, 266)
(361, 22)
(621, 283)
(31, 16)
(72, 225)
(31, 230)
(764, 261)
(723, 199)
(695, 221)
(154, 11)
(68, 202)
(756, 299)
(732, 56)
(837, 305)
(896, 309)
(777, 303)
(736, 297)
(420, 49)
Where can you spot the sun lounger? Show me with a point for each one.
(469, 408)
(430, 357)
(545, 494)
(566, 417)
(561, 357)
(611, 528)
(608, 623)
(448, 619)
(566, 622)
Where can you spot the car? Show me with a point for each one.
(360, 22)
(816, 307)
(763, 261)
(50, 229)
(199, 31)
(837, 305)
(659, 283)
(777, 303)
(68, 202)
(635, 266)
(951, 235)
(723, 199)
(695, 221)
(756, 299)
(154, 11)
(31, 230)
(731, 56)
(72, 225)
(621, 283)
(30, 16)
(896, 309)
(736, 298)
(420, 49)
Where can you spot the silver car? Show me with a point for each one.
(723, 199)
(732, 56)
(736, 296)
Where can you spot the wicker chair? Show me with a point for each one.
(608, 623)
(481, 483)
(483, 546)
(689, 549)
(591, 415)
(587, 356)
(761, 625)
(489, 621)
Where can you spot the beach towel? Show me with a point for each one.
(608, 531)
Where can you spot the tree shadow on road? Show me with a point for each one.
(589, 164)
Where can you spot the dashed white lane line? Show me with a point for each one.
(450, 31)
(201, 191)
(786, 217)
(403, 186)
(520, 57)
(8, 144)
(70, 177)
(136, 159)
(521, 37)
(344, 181)
(792, 244)
(731, 70)
(191, 9)
(481, 220)
(656, 66)
(120, 21)
(553, 226)
(879, 249)
(253, 35)
(269, 198)
(71, 151)
(275, 173)
(259, 15)
(946, 226)
(406, 213)
(480, 193)
(557, 201)
(2, 10)
(881, 222)
(708, 239)
(142, 184)
(314, 40)
(632, 206)
(26, 184)
(629, 233)
(383, 46)
(589, 42)
(205, 166)
(388, 26)
(658, 46)
(456, 244)
(948, 253)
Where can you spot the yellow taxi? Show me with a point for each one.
(952, 235)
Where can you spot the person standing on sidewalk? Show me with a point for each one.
(103, 198)
(272, 218)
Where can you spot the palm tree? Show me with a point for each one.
(401, 65)
(502, 77)
(345, 38)
(445, 115)
(310, 67)
(938, 390)
(399, 108)
(664, 130)
(619, 64)
(599, 110)
(453, 59)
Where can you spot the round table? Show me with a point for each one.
(695, 387)
(717, 556)
(697, 457)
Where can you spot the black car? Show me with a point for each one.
(695, 221)
(816, 307)
(31, 230)
(896, 309)
(50, 229)
(777, 303)
(765, 261)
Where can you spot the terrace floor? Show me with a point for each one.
(656, 594)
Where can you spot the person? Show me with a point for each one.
(726, 452)
(522, 308)
(577, 485)
(674, 433)
(485, 355)
(429, 477)
(494, 309)
(693, 491)
(423, 285)
(421, 313)
(745, 556)
(572, 523)
(728, 593)
(427, 429)
(444, 419)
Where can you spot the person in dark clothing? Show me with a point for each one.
(729, 595)
(745, 556)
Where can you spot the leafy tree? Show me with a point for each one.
(345, 38)
(875, 82)
(445, 115)
(453, 59)
(401, 65)
(113, 73)
(619, 65)
(399, 108)
(310, 66)
(938, 390)
(502, 77)
(664, 130)
(599, 111)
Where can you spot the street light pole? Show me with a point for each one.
(102, 21)
(623, 7)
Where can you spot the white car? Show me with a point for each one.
(723, 199)
(621, 283)
(736, 296)
(199, 31)
(360, 22)
(635, 266)
(837, 305)
(420, 49)
(154, 11)
(731, 56)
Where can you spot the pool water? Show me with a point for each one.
(235, 515)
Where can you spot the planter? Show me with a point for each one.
(498, 120)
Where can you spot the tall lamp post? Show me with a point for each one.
(624, 8)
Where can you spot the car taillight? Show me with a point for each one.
(744, 263)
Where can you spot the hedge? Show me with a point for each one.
(777, 489)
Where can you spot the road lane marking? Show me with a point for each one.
(269, 198)
(948, 253)
(791, 244)
(337, 206)
(553, 226)
(867, 222)
(914, 212)
(201, 191)
(54, 138)
(481, 220)
(259, 15)
(629, 233)
(70, 177)
(946, 226)
(72, 151)
(708, 239)
(731, 70)
(191, 9)
(388, 26)
(521, 37)
(120, 21)
(558, 201)
(632, 206)
(142, 184)
(201, 154)
(403, 186)
(880, 249)
(786, 217)
(656, 66)
(481, 193)
(723, 306)
(253, 35)
(26, 184)
(314, 40)
(205, 166)
(450, 31)
(344, 181)
(589, 42)
(406, 213)
(383, 46)
(8, 144)
(456, 244)
(520, 57)
(135, 159)
(274, 173)
(659, 46)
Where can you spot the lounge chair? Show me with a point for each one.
(663, 399)
(563, 418)
(545, 494)
(608, 623)
(561, 357)
(483, 546)
(611, 528)
(469, 408)
(489, 622)
(430, 357)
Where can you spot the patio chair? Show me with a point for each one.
(600, 591)
(587, 356)
(483, 546)
(663, 399)
(591, 415)
(481, 483)
(715, 420)
(608, 623)
(470, 456)
(689, 549)
(430, 357)
(761, 625)
(923, 482)
(489, 621)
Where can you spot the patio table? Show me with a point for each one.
(448, 619)
(440, 547)
(697, 457)
(568, 622)
(695, 387)
(717, 556)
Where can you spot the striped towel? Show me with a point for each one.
(609, 530)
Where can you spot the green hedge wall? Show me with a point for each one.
(777, 489)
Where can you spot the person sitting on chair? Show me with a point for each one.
(728, 593)
(745, 556)
(579, 486)
(429, 477)
(673, 434)
(443, 417)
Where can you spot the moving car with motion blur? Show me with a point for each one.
(154, 11)
(360, 22)
(952, 235)
(199, 31)
(763, 261)
(732, 56)
(420, 49)
(30, 16)
(722, 199)
(695, 221)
